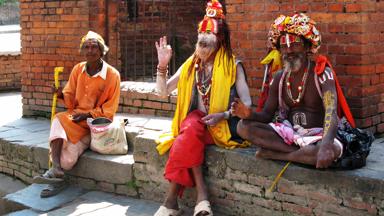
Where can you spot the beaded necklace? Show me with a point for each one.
(203, 84)
(300, 88)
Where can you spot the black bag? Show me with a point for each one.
(357, 145)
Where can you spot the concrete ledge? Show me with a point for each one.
(237, 181)
(24, 154)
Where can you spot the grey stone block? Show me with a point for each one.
(106, 187)
(128, 190)
(26, 212)
(146, 142)
(115, 169)
(40, 156)
(30, 197)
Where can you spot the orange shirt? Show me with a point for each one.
(98, 95)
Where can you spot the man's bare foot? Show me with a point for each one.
(264, 153)
(171, 204)
(53, 175)
(56, 172)
(327, 154)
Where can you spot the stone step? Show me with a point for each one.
(29, 197)
(96, 203)
(9, 185)
(24, 154)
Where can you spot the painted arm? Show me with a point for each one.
(164, 54)
(164, 87)
(242, 86)
(326, 154)
(243, 92)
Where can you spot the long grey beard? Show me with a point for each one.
(293, 65)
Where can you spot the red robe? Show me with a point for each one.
(187, 150)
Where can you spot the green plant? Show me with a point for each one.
(132, 184)
(2, 2)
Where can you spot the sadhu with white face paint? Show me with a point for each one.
(93, 90)
(206, 84)
(305, 94)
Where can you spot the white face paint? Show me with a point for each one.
(327, 75)
(206, 45)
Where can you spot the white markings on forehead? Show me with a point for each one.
(207, 37)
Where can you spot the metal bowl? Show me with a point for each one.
(101, 121)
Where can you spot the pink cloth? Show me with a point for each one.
(70, 152)
(300, 136)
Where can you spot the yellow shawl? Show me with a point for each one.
(223, 77)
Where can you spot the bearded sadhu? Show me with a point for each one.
(313, 115)
(206, 84)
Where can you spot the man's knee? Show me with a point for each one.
(243, 128)
(67, 163)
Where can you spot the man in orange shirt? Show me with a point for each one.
(92, 91)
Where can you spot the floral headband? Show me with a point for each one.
(298, 24)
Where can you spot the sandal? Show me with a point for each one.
(48, 177)
(164, 211)
(53, 189)
(203, 208)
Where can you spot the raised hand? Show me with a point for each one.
(164, 52)
(239, 109)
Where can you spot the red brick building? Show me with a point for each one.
(353, 35)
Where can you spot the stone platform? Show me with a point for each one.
(237, 181)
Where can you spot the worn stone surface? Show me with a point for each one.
(9, 185)
(30, 197)
(237, 181)
(113, 169)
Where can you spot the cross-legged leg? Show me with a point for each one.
(306, 155)
(263, 136)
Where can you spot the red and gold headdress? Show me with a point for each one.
(298, 24)
(214, 13)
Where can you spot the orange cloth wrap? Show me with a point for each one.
(86, 94)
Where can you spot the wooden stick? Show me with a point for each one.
(58, 70)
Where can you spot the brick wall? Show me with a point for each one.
(352, 32)
(352, 38)
(140, 98)
(10, 75)
(51, 33)
(238, 184)
(142, 24)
